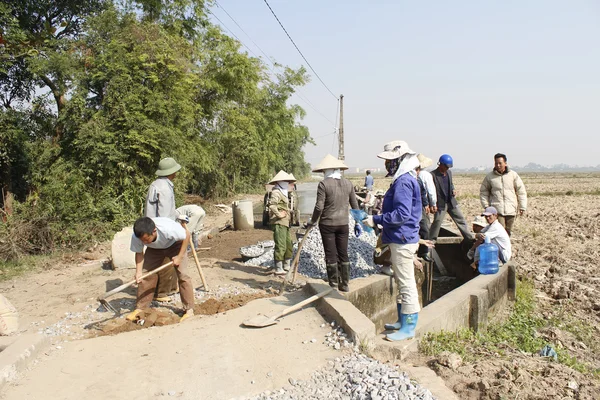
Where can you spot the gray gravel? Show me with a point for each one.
(312, 258)
(354, 376)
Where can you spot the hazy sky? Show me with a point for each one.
(467, 78)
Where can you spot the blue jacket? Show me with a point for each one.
(401, 212)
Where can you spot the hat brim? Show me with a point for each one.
(487, 214)
(169, 171)
(392, 155)
(427, 162)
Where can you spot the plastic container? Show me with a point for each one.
(488, 257)
(243, 215)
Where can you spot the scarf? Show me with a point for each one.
(332, 173)
(283, 187)
(408, 163)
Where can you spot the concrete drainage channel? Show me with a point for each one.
(371, 303)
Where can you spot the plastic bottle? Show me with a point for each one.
(488, 257)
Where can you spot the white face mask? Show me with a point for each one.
(283, 185)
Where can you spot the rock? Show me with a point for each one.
(483, 385)
(171, 393)
(292, 381)
(313, 340)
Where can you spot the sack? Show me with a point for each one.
(9, 317)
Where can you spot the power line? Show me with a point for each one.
(298, 91)
(292, 40)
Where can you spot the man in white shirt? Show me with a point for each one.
(164, 238)
(497, 234)
(430, 205)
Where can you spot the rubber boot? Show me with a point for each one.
(279, 268)
(287, 264)
(332, 274)
(187, 314)
(397, 325)
(344, 276)
(409, 324)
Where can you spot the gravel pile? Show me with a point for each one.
(252, 251)
(355, 376)
(312, 257)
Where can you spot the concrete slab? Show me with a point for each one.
(121, 256)
(336, 307)
(211, 357)
(17, 353)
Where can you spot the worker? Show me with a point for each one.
(429, 199)
(160, 202)
(164, 238)
(503, 189)
(334, 195)
(446, 200)
(479, 223)
(400, 218)
(497, 234)
(369, 181)
(279, 219)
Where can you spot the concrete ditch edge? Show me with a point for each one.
(16, 357)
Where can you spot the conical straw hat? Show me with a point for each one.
(329, 162)
(282, 176)
(424, 162)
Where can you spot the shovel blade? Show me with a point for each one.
(260, 321)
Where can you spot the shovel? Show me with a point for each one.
(102, 299)
(260, 321)
(294, 268)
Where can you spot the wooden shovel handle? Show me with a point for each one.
(196, 258)
(126, 285)
(303, 303)
(297, 257)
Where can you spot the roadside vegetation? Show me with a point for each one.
(93, 93)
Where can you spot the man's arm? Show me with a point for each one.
(183, 250)
(139, 264)
(521, 194)
(352, 198)
(320, 204)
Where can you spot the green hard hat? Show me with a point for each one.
(167, 166)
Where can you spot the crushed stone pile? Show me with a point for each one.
(354, 376)
(312, 257)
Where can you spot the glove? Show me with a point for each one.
(369, 221)
(308, 224)
(358, 230)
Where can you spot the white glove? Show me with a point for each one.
(369, 221)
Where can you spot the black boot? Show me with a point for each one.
(332, 275)
(345, 276)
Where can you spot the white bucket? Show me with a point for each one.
(243, 215)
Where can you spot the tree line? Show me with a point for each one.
(94, 93)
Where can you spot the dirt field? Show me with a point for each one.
(557, 246)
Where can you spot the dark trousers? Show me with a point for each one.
(335, 243)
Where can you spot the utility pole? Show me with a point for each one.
(341, 130)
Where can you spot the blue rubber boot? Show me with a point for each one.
(409, 324)
(397, 325)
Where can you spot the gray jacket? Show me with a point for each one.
(333, 197)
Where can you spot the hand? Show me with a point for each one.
(176, 261)
(521, 212)
(454, 193)
(358, 230)
(369, 221)
(433, 209)
(428, 243)
(308, 224)
(138, 276)
(427, 210)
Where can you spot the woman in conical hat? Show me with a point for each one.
(334, 195)
(279, 218)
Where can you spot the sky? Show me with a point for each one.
(466, 78)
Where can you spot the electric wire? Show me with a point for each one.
(298, 91)
(292, 40)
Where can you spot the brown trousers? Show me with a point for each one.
(153, 259)
(167, 281)
(507, 221)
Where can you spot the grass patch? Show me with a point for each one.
(519, 332)
(13, 269)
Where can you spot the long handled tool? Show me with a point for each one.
(260, 321)
(102, 299)
(295, 262)
(184, 222)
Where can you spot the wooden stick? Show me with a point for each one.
(295, 262)
(196, 258)
(126, 285)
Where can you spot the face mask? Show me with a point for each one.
(283, 185)
(391, 166)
